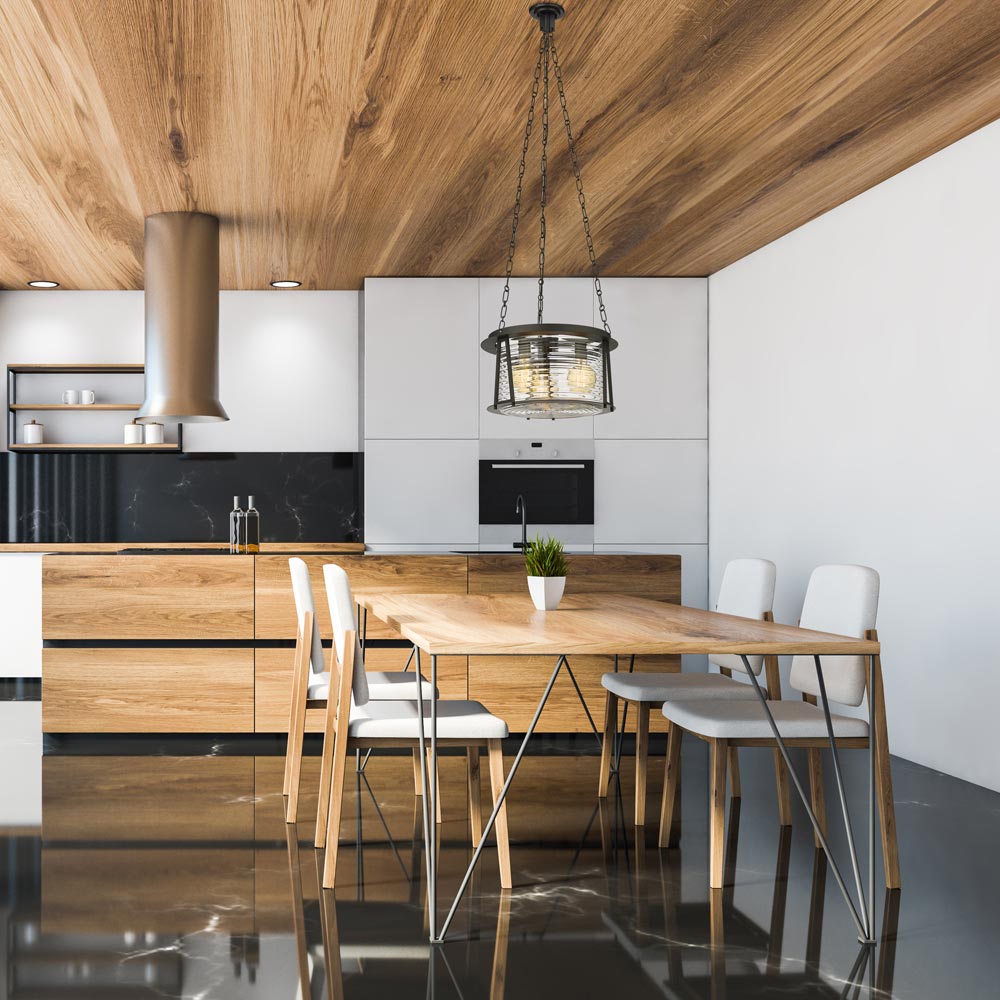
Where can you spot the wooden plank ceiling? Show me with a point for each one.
(347, 138)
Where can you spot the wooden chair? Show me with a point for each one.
(747, 590)
(355, 722)
(311, 687)
(839, 599)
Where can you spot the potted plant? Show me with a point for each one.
(546, 566)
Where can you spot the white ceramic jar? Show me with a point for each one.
(33, 433)
(154, 433)
(133, 433)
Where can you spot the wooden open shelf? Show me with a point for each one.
(14, 407)
(166, 446)
(76, 369)
(74, 406)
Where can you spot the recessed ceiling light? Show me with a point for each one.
(44, 284)
(285, 283)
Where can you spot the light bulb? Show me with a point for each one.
(521, 378)
(581, 377)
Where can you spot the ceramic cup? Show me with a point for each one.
(87, 396)
(71, 397)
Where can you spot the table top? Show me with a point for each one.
(599, 624)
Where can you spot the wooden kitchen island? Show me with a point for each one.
(198, 642)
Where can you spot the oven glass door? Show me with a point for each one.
(555, 492)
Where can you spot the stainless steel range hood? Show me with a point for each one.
(182, 318)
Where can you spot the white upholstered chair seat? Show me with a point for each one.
(676, 687)
(733, 720)
(456, 720)
(382, 686)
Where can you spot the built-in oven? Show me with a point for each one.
(555, 480)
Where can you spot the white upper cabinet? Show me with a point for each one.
(421, 349)
(567, 300)
(660, 368)
(422, 493)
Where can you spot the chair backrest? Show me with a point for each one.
(303, 593)
(748, 591)
(844, 600)
(338, 594)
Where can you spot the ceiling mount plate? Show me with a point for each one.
(546, 14)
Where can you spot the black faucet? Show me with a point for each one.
(523, 511)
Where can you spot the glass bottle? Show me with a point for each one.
(237, 528)
(251, 534)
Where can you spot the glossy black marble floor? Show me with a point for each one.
(175, 876)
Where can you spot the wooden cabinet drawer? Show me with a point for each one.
(511, 686)
(147, 597)
(147, 690)
(423, 574)
(273, 682)
(656, 577)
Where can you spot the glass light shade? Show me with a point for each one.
(551, 371)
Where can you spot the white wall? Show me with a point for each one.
(289, 362)
(853, 371)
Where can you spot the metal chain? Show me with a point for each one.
(520, 182)
(546, 42)
(579, 189)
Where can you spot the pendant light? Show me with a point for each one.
(550, 370)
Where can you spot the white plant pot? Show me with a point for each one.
(546, 591)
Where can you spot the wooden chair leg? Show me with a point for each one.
(883, 782)
(338, 783)
(671, 788)
(717, 807)
(607, 743)
(339, 766)
(772, 675)
(418, 789)
(735, 788)
(475, 796)
(495, 751)
(437, 801)
(293, 713)
(297, 728)
(641, 761)
(325, 772)
(784, 796)
(817, 795)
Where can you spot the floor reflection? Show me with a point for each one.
(177, 877)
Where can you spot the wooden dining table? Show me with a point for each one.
(589, 624)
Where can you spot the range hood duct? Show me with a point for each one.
(182, 318)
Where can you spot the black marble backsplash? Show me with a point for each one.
(97, 497)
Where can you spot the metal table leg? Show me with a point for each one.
(864, 919)
(439, 938)
(423, 798)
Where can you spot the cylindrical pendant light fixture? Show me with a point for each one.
(550, 370)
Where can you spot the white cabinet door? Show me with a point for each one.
(421, 348)
(660, 368)
(650, 492)
(422, 493)
(567, 300)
